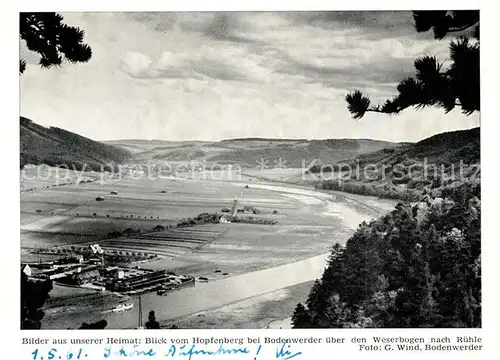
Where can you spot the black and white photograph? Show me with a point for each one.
(250, 170)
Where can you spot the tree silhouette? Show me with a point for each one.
(301, 317)
(46, 34)
(33, 296)
(433, 84)
(100, 324)
(152, 323)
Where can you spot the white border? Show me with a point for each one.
(9, 144)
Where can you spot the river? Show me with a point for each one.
(214, 294)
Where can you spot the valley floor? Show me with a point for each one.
(309, 223)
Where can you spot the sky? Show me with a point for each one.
(213, 76)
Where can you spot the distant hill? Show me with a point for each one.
(249, 152)
(54, 146)
(410, 170)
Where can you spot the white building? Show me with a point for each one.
(26, 269)
(223, 220)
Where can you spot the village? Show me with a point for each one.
(89, 270)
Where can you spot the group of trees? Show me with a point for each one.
(418, 266)
(409, 193)
(385, 192)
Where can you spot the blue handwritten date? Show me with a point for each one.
(53, 354)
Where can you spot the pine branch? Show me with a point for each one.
(55, 41)
(22, 66)
(459, 85)
(465, 27)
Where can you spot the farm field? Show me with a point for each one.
(166, 242)
(33, 178)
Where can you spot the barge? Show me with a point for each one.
(175, 284)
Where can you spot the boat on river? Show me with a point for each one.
(123, 307)
(162, 292)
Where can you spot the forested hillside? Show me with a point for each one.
(58, 147)
(410, 171)
(418, 266)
